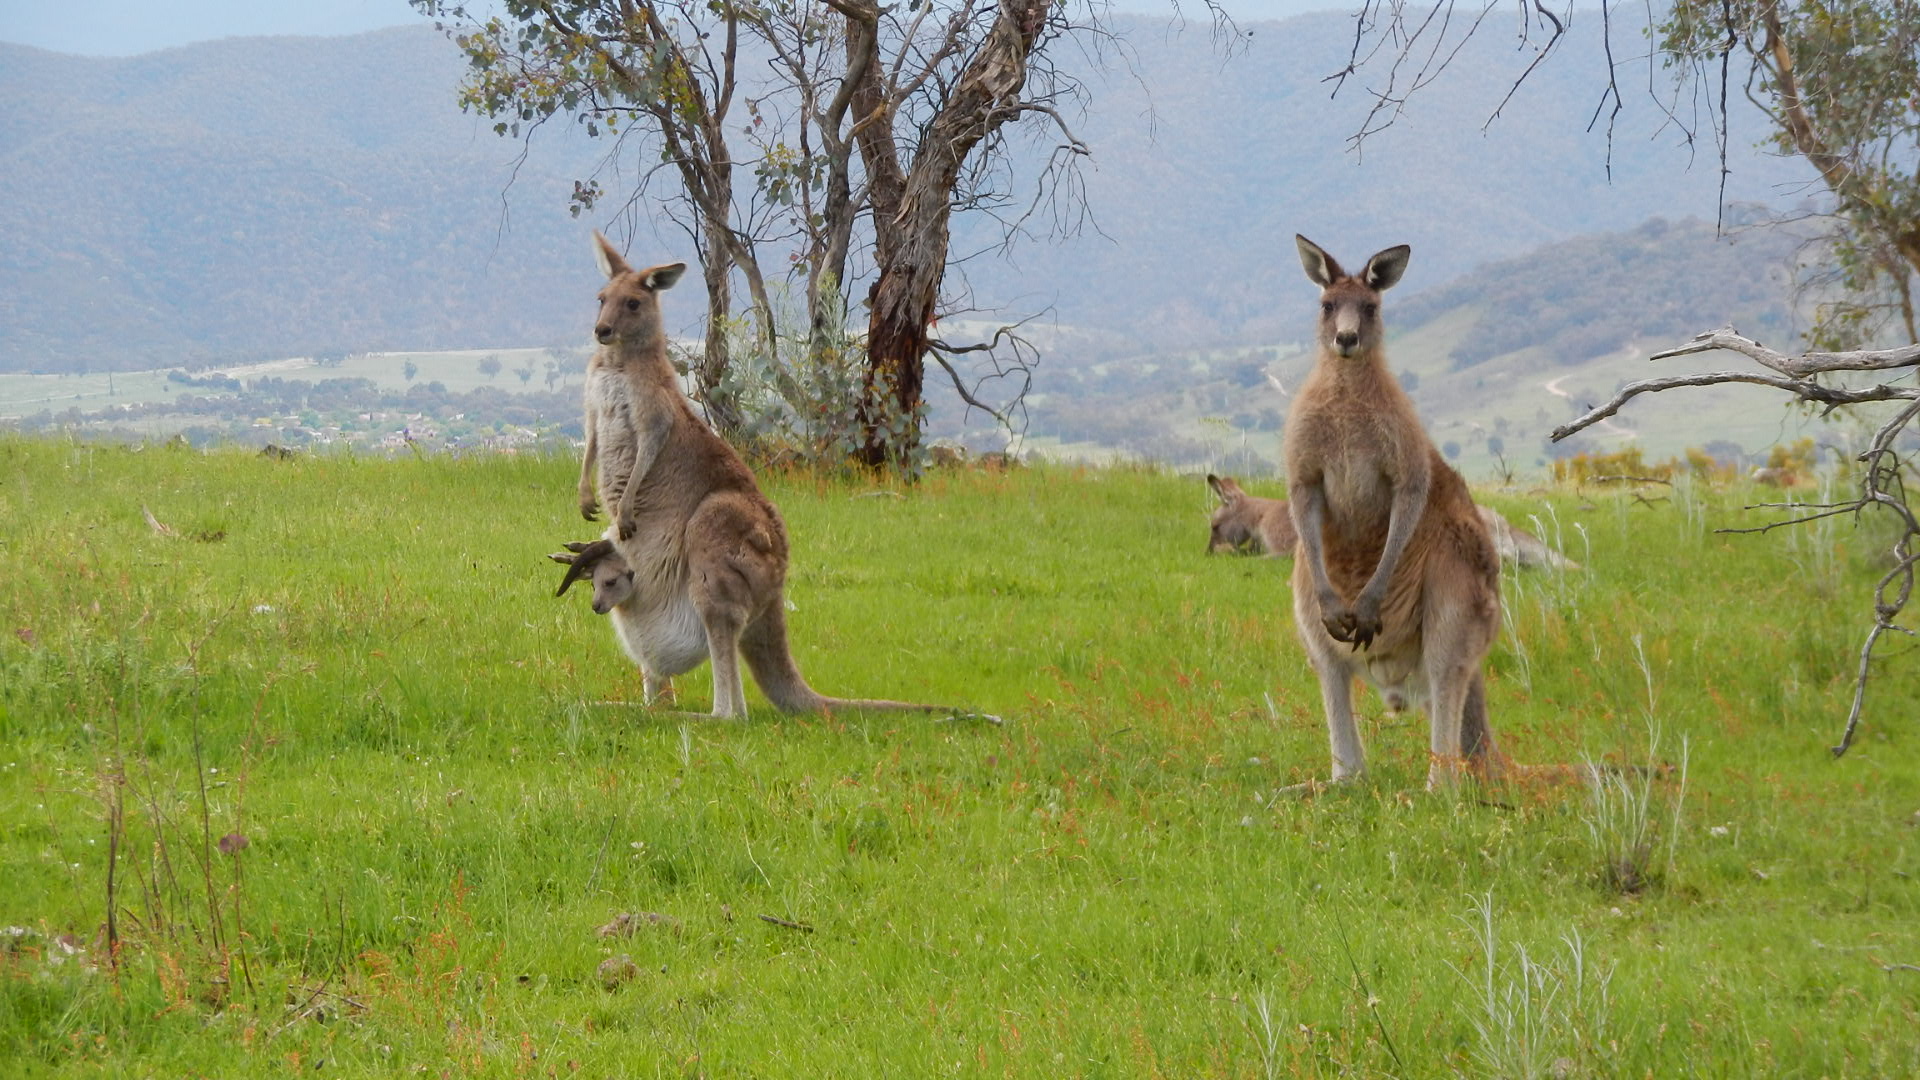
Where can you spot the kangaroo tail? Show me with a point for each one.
(764, 647)
(883, 705)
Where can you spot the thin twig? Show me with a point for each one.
(789, 924)
(1366, 992)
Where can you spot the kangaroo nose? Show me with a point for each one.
(1346, 339)
(603, 332)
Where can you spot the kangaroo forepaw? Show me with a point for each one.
(1351, 628)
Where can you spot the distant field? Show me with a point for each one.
(1518, 397)
(458, 371)
(443, 788)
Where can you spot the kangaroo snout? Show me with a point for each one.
(1346, 339)
(603, 333)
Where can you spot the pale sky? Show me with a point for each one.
(125, 27)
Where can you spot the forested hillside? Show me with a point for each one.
(258, 198)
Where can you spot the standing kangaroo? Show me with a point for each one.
(1397, 579)
(694, 564)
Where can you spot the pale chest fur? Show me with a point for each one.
(619, 409)
(1352, 441)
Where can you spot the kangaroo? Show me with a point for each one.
(702, 554)
(614, 594)
(1248, 522)
(1518, 546)
(1244, 522)
(1397, 580)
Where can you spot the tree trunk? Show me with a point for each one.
(911, 215)
(903, 302)
(710, 375)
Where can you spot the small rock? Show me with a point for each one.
(617, 971)
(628, 923)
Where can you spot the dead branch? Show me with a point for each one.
(1074, 142)
(1812, 363)
(1628, 478)
(1801, 388)
(1018, 367)
(1881, 484)
(789, 924)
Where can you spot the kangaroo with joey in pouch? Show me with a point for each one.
(1397, 579)
(693, 565)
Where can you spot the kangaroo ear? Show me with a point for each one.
(1384, 269)
(1321, 269)
(604, 256)
(576, 570)
(663, 277)
(581, 563)
(1224, 487)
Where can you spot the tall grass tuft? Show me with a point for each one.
(1536, 1017)
(1625, 805)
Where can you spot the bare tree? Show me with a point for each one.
(1883, 476)
(866, 127)
(971, 75)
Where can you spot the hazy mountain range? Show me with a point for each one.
(265, 197)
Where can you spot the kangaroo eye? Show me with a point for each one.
(1326, 307)
(633, 305)
(1370, 310)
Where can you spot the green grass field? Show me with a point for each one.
(358, 666)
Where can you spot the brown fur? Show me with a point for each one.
(1397, 580)
(1244, 522)
(1258, 526)
(1518, 546)
(702, 551)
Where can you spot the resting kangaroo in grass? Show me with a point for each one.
(1397, 580)
(695, 560)
(1244, 522)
